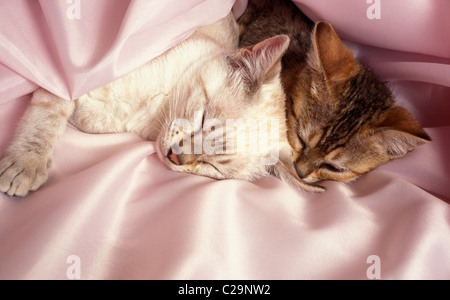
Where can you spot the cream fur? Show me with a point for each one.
(195, 76)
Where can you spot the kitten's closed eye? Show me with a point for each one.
(301, 142)
(342, 120)
(332, 168)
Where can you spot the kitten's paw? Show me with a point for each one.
(21, 173)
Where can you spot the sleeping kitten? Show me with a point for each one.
(182, 96)
(342, 121)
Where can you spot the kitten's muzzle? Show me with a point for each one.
(303, 172)
(181, 159)
(174, 158)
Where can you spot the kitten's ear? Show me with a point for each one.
(336, 60)
(399, 133)
(285, 171)
(255, 64)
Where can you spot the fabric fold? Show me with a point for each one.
(112, 210)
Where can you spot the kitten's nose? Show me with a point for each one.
(299, 172)
(173, 158)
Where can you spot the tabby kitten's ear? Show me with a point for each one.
(260, 62)
(399, 133)
(335, 59)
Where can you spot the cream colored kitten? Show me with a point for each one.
(189, 94)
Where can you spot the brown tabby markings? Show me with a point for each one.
(342, 121)
(206, 73)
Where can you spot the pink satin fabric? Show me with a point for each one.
(124, 215)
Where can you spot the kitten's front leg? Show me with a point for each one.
(24, 165)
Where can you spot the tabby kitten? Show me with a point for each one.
(202, 79)
(342, 121)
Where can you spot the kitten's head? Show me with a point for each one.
(227, 118)
(344, 121)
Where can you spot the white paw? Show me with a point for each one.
(22, 172)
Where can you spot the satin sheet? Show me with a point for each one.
(111, 210)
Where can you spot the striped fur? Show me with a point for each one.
(206, 78)
(342, 120)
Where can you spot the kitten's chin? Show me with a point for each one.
(311, 180)
(159, 150)
(206, 170)
(162, 153)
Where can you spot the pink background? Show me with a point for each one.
(126, 216)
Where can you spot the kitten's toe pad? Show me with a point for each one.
(20, 174)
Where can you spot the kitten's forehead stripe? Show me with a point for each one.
(225, 161)
(291, 107)
(203, 86)
(314, 139)
(362, 100)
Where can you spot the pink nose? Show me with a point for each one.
(173, 157)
